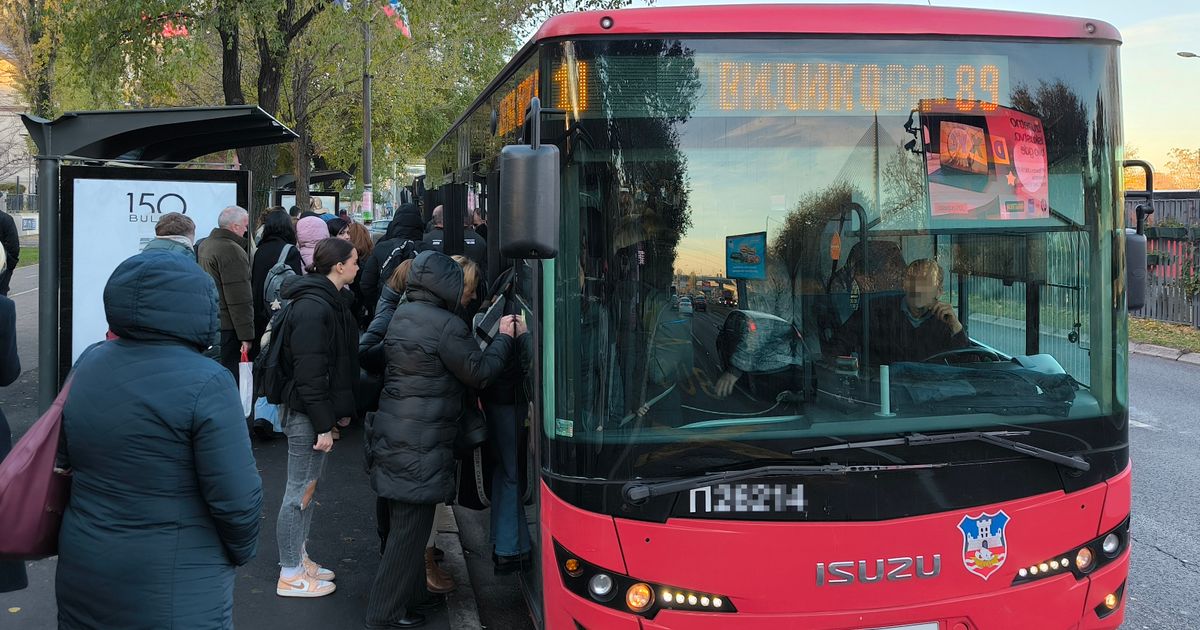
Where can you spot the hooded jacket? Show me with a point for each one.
(165, 498)
(431, 361)
(405, 226)
(309, 232)
(321, 351)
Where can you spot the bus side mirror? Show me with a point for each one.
(529, 201)
(1135, 269)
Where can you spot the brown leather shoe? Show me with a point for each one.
(436, 580)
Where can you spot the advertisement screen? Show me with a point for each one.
(109, 214)
(983, 166)
(328, 201)
(746, 256)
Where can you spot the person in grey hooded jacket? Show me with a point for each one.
(165, 499)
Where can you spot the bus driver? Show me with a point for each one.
(912, 326)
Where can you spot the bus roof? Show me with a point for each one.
(825, 19)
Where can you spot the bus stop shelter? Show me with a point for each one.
(147, 137)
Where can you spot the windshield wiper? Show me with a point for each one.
(637, 491)
(999, 438)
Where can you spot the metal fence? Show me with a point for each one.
(14, 203)
(1171, 256)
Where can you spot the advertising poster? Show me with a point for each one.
(986, 164)
(746, 256)
(109, 214)
(328, 201)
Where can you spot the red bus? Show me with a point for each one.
(913, 413)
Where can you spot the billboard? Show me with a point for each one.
(984, 163)
(108, 215)
(746, 256)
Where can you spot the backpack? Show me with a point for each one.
(486, 323)
(406, 250)
(273, 284)
(271, 378)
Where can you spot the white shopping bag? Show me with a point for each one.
(246, 384)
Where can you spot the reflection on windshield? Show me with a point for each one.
(806, 276)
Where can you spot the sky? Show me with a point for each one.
(1160, 90)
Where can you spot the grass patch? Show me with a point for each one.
(29, 256)
(1181, 336)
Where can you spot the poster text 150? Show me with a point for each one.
(157, 204)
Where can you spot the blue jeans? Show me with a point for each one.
(510, 534)
(304, 469)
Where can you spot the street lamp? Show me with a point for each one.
(1187, 54)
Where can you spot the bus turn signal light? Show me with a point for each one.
(573, 568)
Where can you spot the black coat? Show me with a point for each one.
(265, 257)
(370, 344)
(406, 226)
(10, 239)
(321, 350)
(12, 572)
(894, 338)
(432, 359)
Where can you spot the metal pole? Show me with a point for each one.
(367, 200)
(48, 321)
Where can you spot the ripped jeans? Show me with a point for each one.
(304, 470)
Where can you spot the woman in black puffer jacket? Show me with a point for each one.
(320, 358)
(431, 360)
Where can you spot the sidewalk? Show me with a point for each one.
(1163, 352)
(343, 538)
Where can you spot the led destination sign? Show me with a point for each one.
(769, 84)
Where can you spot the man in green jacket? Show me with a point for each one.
(223, 255)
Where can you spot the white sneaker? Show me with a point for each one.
(303, 585)
(316, 571)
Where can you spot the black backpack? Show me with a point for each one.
(272, 378)
(406, 250)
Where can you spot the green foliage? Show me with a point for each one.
(1189, 278)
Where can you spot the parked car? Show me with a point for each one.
(378, 228)
(700, 303)
(685, 306)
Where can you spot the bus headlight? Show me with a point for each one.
(1081, 560)
(642, 598)
(1111, 544)
(601, 586)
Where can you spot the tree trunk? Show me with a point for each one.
(302, 148)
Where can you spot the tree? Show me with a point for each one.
(1184, 165)
(29, 34)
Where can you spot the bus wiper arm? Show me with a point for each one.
(999, 438)
(638, 491)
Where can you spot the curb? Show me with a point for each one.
(460, 603)
(1163, 352)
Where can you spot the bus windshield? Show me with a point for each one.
(777, 244)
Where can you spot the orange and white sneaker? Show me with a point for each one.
(316, 571)
(303, 585)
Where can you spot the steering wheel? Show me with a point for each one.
(977, 351)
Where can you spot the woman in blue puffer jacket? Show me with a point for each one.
(166, 498)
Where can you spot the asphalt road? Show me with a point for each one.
(1163, 584)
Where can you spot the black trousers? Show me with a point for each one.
(400, 581)
(231, 352)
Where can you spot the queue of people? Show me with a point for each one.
(166, 499)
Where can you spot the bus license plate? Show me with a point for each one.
(933, 625)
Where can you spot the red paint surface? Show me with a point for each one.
(768, 570)
(811, 19)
